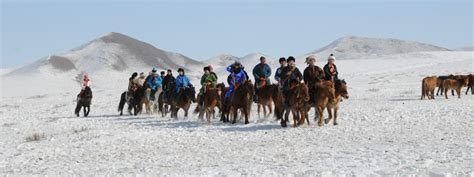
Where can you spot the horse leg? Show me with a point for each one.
(446, 93)
(320, 114)
(326, 121)
(246, 112)
(88, 110)
(78, 109)
(234, 118)
(270, 109)
(258, 110)
(336, 109)
(458, 91)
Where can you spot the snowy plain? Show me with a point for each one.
(384, 129)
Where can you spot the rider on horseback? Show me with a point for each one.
(182, 82)
(291, 76)
(207, 80)
(167, 81)
(85, 83)
(283, 64)
(153, 82)
(330, 69)
(312, 75)
(237, 77)
(261, 73)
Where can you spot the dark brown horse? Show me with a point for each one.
(225, 104)
(183, 100)
(333, 107)
(165, 99)
(84, 101)
(298, 98)
(242, 100)
(265, 99)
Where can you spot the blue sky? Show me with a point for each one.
(203, 29)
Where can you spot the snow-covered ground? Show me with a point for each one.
(384, 129)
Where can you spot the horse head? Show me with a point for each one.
(87, 93)
(341, 88)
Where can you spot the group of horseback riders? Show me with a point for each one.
(287, 75)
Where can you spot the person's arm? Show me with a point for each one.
(214, 79)
(277, 75)
(306, 75)
(188, 82)
(254, 72)
(299, 76)
(229, 68)
(203, 80)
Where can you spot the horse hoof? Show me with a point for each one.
(247, 122)
(335, 123)
(326, 121)
(320, 124)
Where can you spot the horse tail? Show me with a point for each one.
(123, 100)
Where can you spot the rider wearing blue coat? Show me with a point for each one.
(238, 77)
(153, 81)
(182, 80)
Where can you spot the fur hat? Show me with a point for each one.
(181, 69)
(291, 58)
(309, 58)
(262, 57)
(331, 57)
(206, 68)
(142, 75)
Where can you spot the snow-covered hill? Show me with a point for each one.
(352, 47)
(113, 52)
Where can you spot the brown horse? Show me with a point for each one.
(183, 101)
(242, 100)
(470, 84)
(333, 107)
(428, 86)
(454, 84)
(325, 95)
(211, 99)
(298, 98)
(265, 99)
(439, 83)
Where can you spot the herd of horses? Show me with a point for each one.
(446, 83)
(327, 95)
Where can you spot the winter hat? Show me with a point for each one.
(181, 69)
(154, 70)
(309, 58)
(206, 68)
(142, 75)
(86, 77)
(262, 57)
(281, 59)
(331, 57)
(290, 58)
(210, 67)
